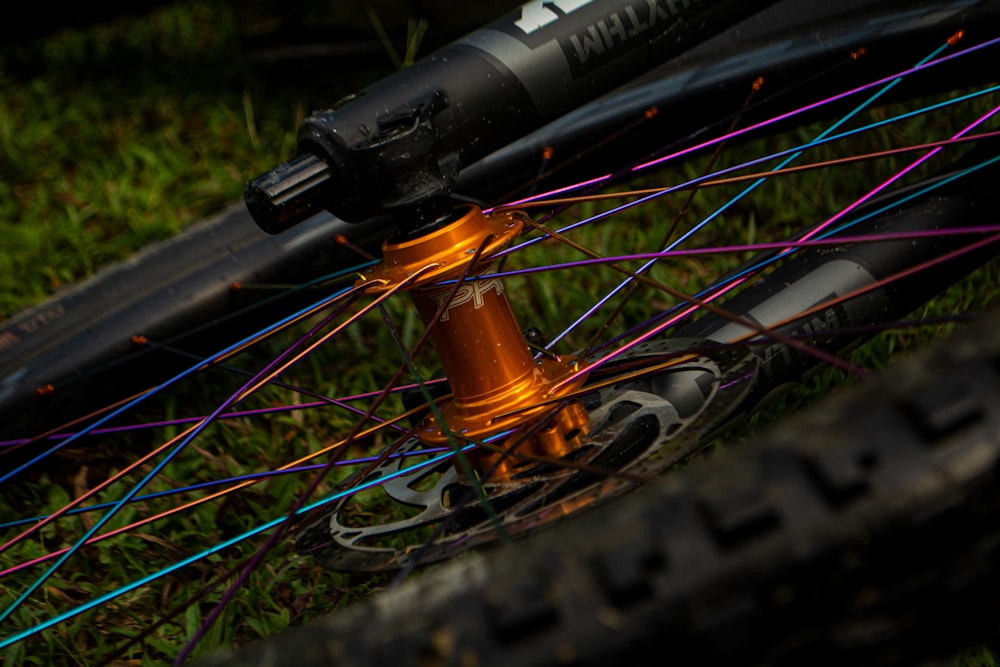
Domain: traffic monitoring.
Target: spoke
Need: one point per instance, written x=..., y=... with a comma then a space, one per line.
x=633, y=287
x=831, y=235
x=774, y=120
x=173, y=447
x=829, y=240
x=254, y=476
x=740, y=196
x=695, y=303
x=718, y=178
x=275, y=368
x=332, y=448
x=861, y=291
x=235, y=414
x=323, y=401
x=225, y=353
x=225, y=544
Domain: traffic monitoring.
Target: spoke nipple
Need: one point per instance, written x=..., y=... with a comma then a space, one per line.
x=45, y=390
x=651, y=113
x=758, y=83
x=548, y=153
x=956, y=38
x=140, y=340
x=858, y=54
x=236, y=286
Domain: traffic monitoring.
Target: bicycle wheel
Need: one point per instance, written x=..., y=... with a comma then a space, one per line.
x=649, y=410
x=857, y=533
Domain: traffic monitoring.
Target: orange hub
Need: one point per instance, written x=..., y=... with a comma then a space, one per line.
x=497, y=384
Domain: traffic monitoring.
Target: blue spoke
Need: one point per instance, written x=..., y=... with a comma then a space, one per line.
x=159, y=466
x=739, y=197
x=231, y=480
x=111, y=595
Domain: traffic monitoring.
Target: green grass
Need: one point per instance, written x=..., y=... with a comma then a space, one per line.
x=110, y=142
x=125, y=133
x=112, y=137
x=122, y=134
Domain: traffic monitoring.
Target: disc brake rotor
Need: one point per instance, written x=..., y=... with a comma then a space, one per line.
x=424, y=512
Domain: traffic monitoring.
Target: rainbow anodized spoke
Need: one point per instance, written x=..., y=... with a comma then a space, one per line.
x=275, y=368
x=589, y=313
x=225, y=544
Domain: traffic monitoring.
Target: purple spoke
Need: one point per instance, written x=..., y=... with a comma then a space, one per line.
x=253, y=476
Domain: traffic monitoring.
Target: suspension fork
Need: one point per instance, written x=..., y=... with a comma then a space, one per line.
x=882, y=274
x=498, y=386
x=402, y=142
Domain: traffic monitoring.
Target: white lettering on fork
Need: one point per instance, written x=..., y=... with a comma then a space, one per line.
x=539, y=13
